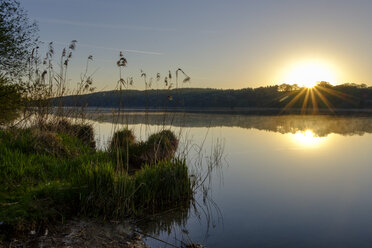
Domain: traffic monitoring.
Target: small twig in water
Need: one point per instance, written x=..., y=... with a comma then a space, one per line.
x=165, y=242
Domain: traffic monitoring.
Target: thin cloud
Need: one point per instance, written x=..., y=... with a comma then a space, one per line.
x=112, y=49
x=98, y=25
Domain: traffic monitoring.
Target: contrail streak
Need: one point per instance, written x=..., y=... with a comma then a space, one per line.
x=110, y=26
x=112, y=49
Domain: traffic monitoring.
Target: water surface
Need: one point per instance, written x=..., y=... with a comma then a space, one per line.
x=288, y=181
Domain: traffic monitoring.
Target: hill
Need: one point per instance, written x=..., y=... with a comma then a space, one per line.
x=322, y=97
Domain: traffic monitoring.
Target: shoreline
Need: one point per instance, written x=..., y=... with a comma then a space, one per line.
x=235, y=111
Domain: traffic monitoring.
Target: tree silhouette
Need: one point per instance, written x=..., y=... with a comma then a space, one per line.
x=18, y=37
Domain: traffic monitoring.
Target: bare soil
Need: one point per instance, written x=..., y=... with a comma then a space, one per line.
x=82, y=233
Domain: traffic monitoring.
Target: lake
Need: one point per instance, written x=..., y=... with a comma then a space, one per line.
x=282, y=181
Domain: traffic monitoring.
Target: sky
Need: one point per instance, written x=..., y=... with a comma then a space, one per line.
x=218, y=43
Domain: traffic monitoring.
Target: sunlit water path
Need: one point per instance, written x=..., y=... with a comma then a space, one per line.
x=288, y=181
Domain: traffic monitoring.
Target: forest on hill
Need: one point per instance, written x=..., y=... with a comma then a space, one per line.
x=322, y=96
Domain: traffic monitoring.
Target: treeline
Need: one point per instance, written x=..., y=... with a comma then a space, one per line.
x=324, y=95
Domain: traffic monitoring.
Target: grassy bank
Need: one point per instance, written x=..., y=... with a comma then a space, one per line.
x=48, y=176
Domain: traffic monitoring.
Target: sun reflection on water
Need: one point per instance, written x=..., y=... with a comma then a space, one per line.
x=308, y=139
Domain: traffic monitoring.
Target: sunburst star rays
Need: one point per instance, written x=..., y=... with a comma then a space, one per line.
x=314, y=96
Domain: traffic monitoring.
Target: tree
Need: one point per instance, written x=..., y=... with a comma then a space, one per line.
x=18, y=37
x=10, y=100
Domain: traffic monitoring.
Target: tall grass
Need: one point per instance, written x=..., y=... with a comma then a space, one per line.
x=149, y=190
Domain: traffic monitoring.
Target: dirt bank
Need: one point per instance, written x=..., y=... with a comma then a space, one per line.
x=82, y=233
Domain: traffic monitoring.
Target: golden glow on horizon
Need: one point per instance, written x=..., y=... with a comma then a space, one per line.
x=308, y=73
x=307, y=139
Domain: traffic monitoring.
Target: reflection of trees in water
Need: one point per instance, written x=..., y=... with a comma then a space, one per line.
x=321, y=125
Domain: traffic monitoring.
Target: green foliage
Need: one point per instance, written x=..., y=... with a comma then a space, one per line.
x=18, y=36
x=10, y=100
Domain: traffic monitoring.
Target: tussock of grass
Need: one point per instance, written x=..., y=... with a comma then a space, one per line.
x=160, y=146
x=160, y=186
x=151, y=189
x=48, y=176
x=122, y=139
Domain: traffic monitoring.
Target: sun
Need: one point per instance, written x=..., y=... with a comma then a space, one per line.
x=308, y=73
x=307, y=138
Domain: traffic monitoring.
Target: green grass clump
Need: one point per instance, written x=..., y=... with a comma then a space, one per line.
x=160, y=146
x=62, y=176
x=162, y=185
x=122, y=139
x=151, y=189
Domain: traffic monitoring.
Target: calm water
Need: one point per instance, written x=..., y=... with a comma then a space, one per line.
x=286, y=181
